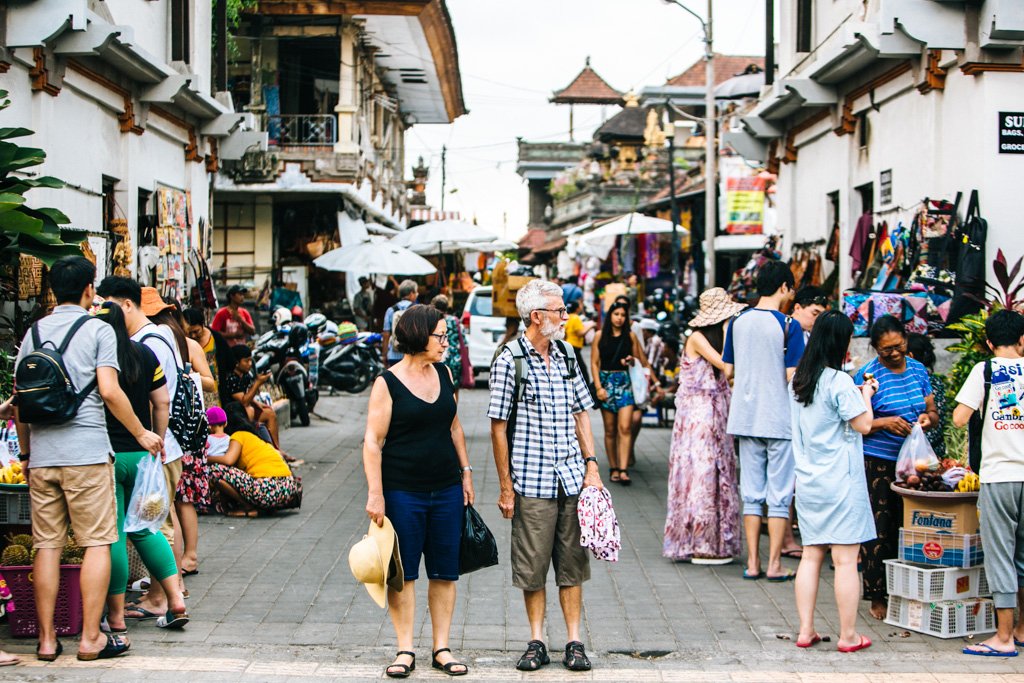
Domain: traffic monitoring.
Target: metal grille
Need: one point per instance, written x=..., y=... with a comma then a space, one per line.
x=311, y=129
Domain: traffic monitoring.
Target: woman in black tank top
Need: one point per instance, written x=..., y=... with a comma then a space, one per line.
x=615, y=347
x=418, y=473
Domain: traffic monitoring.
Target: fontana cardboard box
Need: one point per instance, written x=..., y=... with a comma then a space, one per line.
x=944, y=515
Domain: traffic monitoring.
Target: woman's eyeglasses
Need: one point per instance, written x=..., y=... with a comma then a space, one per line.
x=890, y=350
x=441, y=337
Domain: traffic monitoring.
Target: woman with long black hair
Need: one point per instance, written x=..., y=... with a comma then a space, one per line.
x=615, y=348
x=830, y=416
x=143, y=382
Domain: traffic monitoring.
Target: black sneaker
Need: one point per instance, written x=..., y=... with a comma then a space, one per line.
x=576, y=657
x=535, y=657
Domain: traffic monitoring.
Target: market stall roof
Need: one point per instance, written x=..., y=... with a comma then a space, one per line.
x=376, y=257
x=587, y=88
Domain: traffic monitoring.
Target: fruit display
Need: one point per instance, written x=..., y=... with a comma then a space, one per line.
x=19, y=551
x=943, y=476
x=12, y=474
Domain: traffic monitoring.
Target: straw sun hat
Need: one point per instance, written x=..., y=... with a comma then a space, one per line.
x=715, y=306
x=375, y=562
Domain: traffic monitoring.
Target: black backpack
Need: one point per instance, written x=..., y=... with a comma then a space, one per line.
x=976, y=424
x=46, y=394
x=187, y=420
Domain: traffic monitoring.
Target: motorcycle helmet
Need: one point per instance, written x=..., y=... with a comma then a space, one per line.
x=297, y=312
x=314, y=322
x=329, y=334
x=298, y=335
x=281, y=316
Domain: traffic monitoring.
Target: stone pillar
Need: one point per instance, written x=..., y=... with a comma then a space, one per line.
x=348, y=92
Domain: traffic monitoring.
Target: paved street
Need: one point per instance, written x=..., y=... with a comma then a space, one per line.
x=274, y=599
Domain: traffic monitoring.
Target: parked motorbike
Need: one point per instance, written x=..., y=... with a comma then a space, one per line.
x=284, y=352
x=350, y=365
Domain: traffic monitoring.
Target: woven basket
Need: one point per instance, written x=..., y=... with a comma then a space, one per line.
x=30, y=277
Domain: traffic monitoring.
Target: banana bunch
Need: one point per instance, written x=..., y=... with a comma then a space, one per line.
x=12, y=474
x=969, y=483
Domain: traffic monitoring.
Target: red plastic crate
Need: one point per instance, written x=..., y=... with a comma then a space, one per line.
x=67, y=616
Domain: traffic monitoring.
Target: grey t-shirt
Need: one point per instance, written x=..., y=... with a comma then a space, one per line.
x=756, y=347
x=82, y=440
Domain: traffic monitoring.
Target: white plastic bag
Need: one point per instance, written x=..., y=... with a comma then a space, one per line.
x=149, y=504
x=916, y=455
x=641, y=385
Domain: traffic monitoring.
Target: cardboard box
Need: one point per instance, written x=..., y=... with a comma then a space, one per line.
x=504, y=288
x=947, y=515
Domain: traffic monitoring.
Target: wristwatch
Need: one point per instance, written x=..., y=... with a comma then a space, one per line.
x=590, y=459
x=467, y=468
x=23, y=457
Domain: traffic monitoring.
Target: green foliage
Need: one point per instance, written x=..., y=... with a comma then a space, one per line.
x=235, y=9
x=6, y=374
x=972, y=348
x=25, y=230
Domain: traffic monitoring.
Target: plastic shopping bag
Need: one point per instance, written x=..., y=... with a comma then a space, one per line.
x=478, y=548
x=916, y=455
x=641, y=385
x=149, y=504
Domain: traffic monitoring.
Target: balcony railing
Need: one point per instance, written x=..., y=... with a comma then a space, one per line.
x=302, y=129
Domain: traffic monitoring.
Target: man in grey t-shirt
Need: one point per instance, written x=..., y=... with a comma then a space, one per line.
x=69, y=466
x=762, y=348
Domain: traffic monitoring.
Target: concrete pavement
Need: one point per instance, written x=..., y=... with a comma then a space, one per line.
x=274, y=599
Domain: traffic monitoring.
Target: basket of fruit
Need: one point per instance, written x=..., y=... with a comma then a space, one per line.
x=12, y=478
x=938, y=479
x=16, y=566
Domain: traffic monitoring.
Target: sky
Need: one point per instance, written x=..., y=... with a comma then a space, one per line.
x=512, y=55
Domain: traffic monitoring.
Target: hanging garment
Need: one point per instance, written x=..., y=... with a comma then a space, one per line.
x=861, y=244
x=599, y=529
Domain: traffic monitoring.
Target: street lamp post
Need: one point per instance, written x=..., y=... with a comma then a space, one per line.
x=678, y=134
x=710, y=149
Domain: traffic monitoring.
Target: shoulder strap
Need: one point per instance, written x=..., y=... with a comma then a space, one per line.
x=519, y=361
x=71, y=333
x=569, y=355
x=988, y=386
x=35, y=337
x=166, y=343
x=785, y=336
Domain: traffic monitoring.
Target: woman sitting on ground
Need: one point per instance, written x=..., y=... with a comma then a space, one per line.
x=252, y=477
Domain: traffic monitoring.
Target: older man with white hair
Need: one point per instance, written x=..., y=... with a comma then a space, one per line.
x=544, y=454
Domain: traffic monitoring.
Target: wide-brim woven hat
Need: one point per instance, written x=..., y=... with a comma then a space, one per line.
x=715, y=306
x=376, y=563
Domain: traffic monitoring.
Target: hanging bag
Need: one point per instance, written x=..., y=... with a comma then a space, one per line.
x=916, y=455
x=969, y=294
x=149, y=504
x=478, y=548
x=638, y=379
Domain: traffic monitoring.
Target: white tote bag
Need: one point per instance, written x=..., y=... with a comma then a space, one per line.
x=641, y=385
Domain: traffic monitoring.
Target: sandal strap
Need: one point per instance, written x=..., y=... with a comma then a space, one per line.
x=405, y=652
x=443, y=649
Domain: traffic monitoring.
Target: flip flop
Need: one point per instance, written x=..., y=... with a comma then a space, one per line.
x=172, y=620
x=864, y=643
x=115, y=647
x=107, y=628
x=146, y=614
x=794, y=554
x=810, y=643
x=752, y=577
x=51, y=657
x=781, y=578
x=189, y=572
x=1018, y=643
x=7, y=659
x=989, y=651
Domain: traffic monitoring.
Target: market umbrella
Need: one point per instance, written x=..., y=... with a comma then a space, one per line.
x=599, y=242
x=375, y=257
x=429, y=235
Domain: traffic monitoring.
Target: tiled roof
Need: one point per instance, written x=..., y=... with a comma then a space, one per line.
x=587, y=88
x=726, y=66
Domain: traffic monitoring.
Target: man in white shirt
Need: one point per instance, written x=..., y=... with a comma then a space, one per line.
x=1000, y=380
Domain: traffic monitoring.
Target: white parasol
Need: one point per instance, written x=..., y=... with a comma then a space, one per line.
x=599, y=242
x=375, y=257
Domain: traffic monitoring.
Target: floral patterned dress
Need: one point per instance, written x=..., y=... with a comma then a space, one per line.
x=703, y=492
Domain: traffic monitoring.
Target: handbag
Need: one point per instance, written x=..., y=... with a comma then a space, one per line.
x=641, y=385
x=478, y=548
x=969, y=294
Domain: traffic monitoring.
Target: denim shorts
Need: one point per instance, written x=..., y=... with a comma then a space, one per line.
x=428, y=524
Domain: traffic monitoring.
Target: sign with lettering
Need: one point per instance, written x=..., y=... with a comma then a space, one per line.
x=885, y=187
x=1011, y=132
x=744, y=205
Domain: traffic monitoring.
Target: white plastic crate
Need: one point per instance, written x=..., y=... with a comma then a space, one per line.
x=930, y=584
x=15, y=507
x=944, y=619
x=939, y=549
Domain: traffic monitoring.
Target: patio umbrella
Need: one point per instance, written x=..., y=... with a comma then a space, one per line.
x=429, y=235
x=599, y=242
x=375, y=257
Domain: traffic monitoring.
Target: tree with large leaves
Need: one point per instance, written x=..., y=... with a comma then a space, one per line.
x=23, y=229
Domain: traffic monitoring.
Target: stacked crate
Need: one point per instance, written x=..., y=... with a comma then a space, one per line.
x=937, y=586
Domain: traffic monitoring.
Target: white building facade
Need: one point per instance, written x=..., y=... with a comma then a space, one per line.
x=119, y=94
x=879, y=104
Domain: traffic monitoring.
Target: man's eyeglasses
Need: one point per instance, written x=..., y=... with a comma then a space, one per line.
x=441, y=337
x=562, y=312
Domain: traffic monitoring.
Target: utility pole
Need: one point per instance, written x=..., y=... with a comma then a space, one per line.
x=710, y=156
x=673, y=206
x=444, y=172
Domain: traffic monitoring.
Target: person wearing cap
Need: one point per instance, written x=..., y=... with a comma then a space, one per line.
x=703, y=519
x=233, y=321
x=145, y=385
x=418, y=473
x=217, y=440
x=137, y=303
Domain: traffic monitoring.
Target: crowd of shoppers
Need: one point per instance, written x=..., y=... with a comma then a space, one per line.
x=130, y=361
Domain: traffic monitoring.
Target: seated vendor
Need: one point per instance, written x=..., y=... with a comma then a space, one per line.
x=252, y=477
